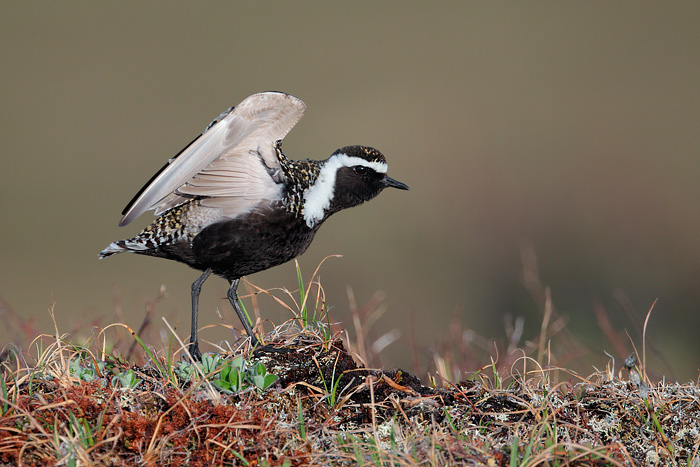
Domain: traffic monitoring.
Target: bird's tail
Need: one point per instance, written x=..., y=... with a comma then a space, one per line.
x=122, y=246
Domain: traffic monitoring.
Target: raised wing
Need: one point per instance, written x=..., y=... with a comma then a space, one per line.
x=230, y=162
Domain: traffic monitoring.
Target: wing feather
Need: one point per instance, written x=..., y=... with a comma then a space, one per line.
x=230, y=160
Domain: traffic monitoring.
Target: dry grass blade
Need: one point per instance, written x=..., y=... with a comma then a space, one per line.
x=76, y=406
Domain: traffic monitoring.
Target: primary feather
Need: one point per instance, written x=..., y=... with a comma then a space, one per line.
x=237, y=147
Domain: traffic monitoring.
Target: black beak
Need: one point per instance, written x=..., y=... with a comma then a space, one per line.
x=390, y=182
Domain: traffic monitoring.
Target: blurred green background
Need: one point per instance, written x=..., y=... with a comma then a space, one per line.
x=563, y=133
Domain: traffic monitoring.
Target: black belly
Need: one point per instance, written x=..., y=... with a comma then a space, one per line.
x=249, y=244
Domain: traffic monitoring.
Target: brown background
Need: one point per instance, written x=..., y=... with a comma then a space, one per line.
x=570, y=130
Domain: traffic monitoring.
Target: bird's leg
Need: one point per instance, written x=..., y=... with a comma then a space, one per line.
x=194, y=342
x=233, y=298
x=257, y=348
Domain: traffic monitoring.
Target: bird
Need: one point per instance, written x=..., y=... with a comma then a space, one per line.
x=231, y=203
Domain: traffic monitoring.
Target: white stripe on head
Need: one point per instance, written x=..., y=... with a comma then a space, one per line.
x=318, y=197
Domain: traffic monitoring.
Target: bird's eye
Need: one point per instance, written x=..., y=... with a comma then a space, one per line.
x=360, y=170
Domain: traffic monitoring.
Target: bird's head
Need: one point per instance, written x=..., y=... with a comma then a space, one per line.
x=350, y=176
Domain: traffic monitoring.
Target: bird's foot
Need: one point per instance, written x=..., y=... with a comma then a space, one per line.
x=194, y=354
x=269, y=348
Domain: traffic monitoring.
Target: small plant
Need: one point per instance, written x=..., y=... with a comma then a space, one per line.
x=78, y=439
x=186, y=371
x=210, y=362
x=300, y=420
x=153, y=359
x=126, y=379
x=259, y=376
x=304, y=308
x=332, y=391
x=86, y=369
x=6, y=407
x=233, y=377
x=302, y=299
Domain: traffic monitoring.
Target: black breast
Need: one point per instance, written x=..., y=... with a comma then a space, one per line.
x=251, y=243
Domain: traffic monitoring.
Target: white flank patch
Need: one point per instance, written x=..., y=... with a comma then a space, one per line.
x=318, y=197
